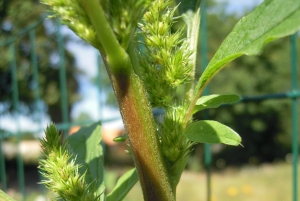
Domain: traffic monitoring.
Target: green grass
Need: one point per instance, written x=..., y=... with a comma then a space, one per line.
x=261, y=183
x=269, y=182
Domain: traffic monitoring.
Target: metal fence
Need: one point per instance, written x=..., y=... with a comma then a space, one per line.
x=293, y=95
x=65, y=125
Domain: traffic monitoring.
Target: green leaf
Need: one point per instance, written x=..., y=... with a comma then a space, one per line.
x=5, y=197
x=124, y=185
x=207, y=131
x=85, y=144
x=271, y=20
x=214, y=101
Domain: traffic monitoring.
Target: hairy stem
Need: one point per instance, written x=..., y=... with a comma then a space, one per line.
x=189, y=112
x=135, y=109
x=138, y=119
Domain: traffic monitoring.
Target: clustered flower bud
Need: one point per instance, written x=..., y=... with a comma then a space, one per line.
x=72, y=14
x=61, y=171
x=123, y=17
x=165, y=63
x=175, y=146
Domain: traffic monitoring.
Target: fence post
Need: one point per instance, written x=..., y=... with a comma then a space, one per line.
x=36, y=88
x=207, y=152
x=15, y=98
x=62, y=77
x=294, y=115
x=2, y=163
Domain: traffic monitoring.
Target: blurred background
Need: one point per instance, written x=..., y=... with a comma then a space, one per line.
x=48, y=74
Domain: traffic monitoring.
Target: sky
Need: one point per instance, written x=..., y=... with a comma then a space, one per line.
x=239, y=7
x=86, y=60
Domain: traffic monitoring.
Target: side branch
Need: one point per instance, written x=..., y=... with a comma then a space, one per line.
x=117, y=58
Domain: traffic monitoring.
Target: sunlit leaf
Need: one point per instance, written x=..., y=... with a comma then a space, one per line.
x=271, y=20
x=5, y=197
x=207, y=131
x=214, y=101
x=124, y=185
x=85, y=144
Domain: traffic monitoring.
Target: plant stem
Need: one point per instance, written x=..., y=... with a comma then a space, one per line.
x=138, y=119
x=117, y=58
x=135, y=109
x=189, y=112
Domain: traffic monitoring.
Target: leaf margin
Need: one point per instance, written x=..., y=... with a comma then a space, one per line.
x=211, y=127
x=130, y=177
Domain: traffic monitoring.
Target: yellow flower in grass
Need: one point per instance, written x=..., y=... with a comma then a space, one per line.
x=232, y=191
x=247, y=189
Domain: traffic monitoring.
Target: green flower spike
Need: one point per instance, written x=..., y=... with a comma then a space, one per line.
x=72, y=14
x=165, y=63
x=61, y=172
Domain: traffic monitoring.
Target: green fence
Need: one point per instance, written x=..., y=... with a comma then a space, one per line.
x=293, y=95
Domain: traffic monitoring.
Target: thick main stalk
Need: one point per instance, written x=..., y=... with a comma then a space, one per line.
x=139, y=123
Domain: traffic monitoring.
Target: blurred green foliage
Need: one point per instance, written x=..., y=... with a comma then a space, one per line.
x=15, y=15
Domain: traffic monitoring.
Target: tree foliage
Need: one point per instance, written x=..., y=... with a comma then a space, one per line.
x=15, y=16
